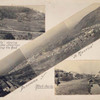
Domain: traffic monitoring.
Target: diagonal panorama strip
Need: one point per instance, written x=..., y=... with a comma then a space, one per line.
x=62, y=41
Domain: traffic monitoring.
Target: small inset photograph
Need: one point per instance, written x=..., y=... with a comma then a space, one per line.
x=21, y=22
x=77, y=78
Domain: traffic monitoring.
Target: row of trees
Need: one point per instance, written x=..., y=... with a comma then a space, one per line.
x=66, y=76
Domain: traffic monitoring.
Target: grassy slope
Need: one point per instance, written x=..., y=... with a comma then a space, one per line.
x=72, y=87
x=21, y=18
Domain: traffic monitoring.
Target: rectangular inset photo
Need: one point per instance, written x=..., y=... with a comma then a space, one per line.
x=77, y=78
x=21, y=22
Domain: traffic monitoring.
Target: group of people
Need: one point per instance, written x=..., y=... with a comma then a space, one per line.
x=57, y=81
x=90, y=85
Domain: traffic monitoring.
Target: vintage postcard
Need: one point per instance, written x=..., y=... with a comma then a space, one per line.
x=53, y=31
x=50, y=48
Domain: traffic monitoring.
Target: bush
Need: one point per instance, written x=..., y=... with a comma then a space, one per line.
x=9, y=36
x=6, y=13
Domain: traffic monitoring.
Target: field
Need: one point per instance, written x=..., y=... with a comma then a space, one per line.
x=76, y=87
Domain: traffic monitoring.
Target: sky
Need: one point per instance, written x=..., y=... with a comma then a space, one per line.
x=40, y=8
x=80, y=66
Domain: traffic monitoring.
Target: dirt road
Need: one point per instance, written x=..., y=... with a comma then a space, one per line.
x=95, y=89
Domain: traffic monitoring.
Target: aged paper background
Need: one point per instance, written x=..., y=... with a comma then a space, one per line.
x=56, y=12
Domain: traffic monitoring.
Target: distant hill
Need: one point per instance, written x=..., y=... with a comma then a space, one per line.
x=89, y=20
x=12, y=12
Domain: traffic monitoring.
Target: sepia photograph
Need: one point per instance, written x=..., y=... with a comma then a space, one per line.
x=77, y=77
x=49, y=49
x=22, y=22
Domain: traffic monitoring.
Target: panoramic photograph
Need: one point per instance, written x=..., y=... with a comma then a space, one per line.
x=77, y=78
x=21, y=22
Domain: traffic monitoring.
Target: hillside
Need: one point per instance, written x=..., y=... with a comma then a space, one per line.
x=89, y=20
